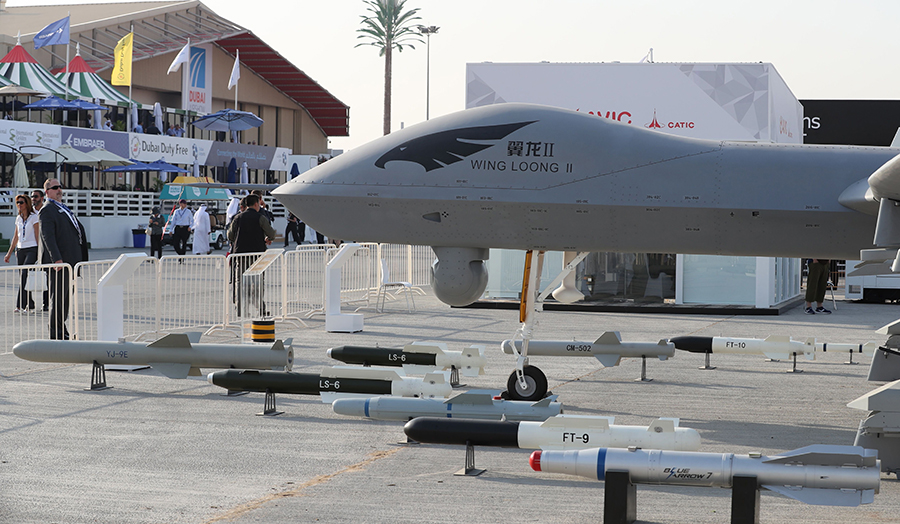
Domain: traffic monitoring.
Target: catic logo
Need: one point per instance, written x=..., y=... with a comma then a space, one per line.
x=654, y=124
x=441, y=149
x=135, y=147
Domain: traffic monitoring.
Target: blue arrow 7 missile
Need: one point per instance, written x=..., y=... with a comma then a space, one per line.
x=776, y=347
x=819, y=474
x=608, y=349
x=474, y=404
x=561, y=432
x=418, y=357
x=172, y=355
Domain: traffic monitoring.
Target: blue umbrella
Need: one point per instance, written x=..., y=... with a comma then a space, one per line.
x=84, y=104
x=52, y=102
x=136, y=166
x=165, y=167
x=228, y=120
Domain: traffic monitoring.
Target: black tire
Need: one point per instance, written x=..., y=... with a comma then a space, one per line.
x=537, y=385
x=219, y=243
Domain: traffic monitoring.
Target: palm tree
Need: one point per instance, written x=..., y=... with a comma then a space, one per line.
x=388, y=27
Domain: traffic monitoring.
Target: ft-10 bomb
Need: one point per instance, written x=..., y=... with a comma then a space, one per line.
x=819, y=475
x=775, y=347
x=416, y=358
x=331, y=384
x=473, y=404
x=608, y=349
x=172, y=355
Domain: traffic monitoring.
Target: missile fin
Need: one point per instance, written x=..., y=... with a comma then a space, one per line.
x=828, y=455
x=194, y=372
x=425, y=347
x=278, y=346
x=172, y=369
x=663, y=425
x=776, y=356
x=435, y=378
x=288, y=342
x=778, y=338
x=609, y=337
x=580, y=421
x=544, y=402
x=194, y=336
x=172, y=340
x=471, y=398
x=825, y=497
x=609, y=361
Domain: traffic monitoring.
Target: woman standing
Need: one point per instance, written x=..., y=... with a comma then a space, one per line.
x=25, y=243
x=156, y=232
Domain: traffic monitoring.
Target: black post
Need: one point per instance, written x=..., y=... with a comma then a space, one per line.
x=619, y=498
x=744, y=500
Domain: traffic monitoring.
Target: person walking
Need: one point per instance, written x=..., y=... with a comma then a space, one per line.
x=201, y=231
x=293, y=228
x=155, y=226
x=24, y=243
x=816, y=285
x=182, y=219
x=64, y=238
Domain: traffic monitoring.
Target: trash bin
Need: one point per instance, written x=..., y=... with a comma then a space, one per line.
x=140, y=238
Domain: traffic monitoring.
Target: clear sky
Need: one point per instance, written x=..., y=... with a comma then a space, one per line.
x=822, y=48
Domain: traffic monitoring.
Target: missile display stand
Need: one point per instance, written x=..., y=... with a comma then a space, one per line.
x=98, y=378
x=620, y=499
x=469, y=470
x=269, y=409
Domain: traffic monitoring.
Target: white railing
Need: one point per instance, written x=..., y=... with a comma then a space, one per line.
x=181, y=293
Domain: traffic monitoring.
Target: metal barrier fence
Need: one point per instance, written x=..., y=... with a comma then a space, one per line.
x=178, y=293
x=140, y=300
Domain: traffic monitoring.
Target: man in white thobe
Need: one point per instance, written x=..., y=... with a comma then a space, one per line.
x=201, y=232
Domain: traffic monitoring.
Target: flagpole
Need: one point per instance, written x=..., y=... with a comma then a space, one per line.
x=238, y=62
x=68, y=44
x=130, y=82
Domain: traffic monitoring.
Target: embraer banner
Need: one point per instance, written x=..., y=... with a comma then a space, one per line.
x=715, y=101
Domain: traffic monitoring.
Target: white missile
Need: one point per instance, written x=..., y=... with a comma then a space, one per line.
x=172, y=355
x=776, y=347
x=608, y=349
x=866, y=349
x=474, y=404
x=416, y=358
x=820, y=475
x=581, y=431
x=561, y=432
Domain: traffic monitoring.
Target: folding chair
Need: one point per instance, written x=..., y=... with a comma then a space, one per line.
x=386, y=284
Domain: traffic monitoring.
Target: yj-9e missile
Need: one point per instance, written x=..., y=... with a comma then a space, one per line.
x=560, y=432
x=172, y=355
x=775, y=347
x=820, y=475
x=474, y=404
x=334, y=383
x=415, y=358
x=608, y=349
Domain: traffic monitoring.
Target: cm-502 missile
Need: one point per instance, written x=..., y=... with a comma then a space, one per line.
x=608, y=349
x=473, y=404
x=418, y=357
x=172, y=355
x=331, y=384
x=559, y=432
x=820, y=475
x=775, y=347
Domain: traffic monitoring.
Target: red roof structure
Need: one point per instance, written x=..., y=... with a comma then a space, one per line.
x=18, y=55
x=332, y=115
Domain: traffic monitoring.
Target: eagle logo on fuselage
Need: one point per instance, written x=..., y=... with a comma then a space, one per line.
x=441, y=149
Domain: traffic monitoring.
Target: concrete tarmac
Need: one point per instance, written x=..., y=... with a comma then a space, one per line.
x=156, y=450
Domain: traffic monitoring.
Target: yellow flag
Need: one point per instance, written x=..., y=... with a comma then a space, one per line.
x=121, y=74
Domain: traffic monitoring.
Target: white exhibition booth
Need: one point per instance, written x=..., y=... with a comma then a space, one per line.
x=737, y=101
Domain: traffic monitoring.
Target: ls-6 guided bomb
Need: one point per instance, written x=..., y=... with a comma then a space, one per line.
x=472, y=404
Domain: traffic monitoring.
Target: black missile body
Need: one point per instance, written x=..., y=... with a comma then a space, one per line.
x=693, y=344
x=433, y=430
x=291, y=383
x=369, y=356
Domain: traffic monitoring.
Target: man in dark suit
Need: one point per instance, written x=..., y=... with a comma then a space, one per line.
x=65, y=241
